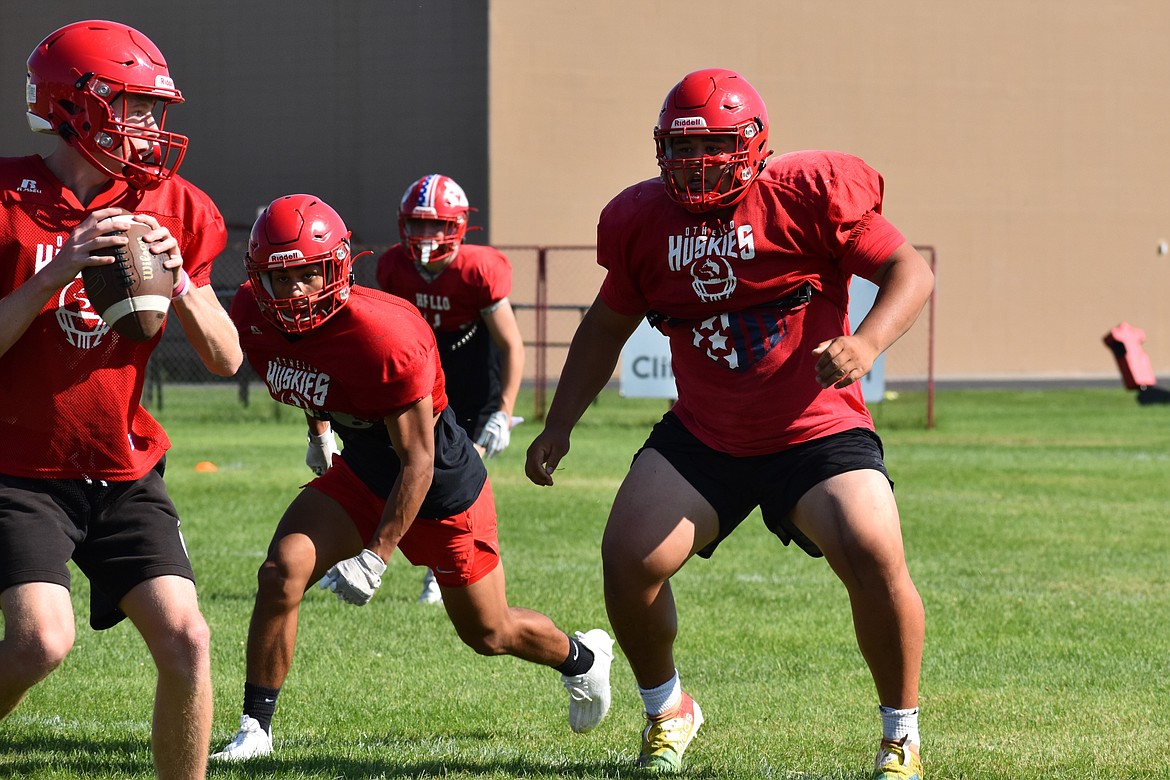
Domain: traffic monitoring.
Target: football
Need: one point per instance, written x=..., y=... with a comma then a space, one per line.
x=132, y=294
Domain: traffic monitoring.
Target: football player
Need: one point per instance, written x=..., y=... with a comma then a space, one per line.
x=462, y=291
x=81, y=470
x=407, y=477
x=745, y=265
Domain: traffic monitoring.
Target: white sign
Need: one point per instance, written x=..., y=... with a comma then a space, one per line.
x=862, y=293
x=646, y=370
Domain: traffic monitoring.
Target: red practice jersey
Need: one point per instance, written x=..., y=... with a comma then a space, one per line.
x=478, y=277
x=745, y=372
x=371, y=359
x=70, y=388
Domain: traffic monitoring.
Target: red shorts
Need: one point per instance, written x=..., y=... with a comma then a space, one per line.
x=460, y=550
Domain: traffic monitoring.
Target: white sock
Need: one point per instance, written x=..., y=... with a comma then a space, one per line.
x=661, y=700
x=900, y=723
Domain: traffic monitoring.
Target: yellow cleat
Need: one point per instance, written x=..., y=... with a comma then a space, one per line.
x=664, y=741
x=897, y=761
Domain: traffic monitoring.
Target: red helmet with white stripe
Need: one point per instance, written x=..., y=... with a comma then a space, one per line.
x=81, y=82
x=432, y=219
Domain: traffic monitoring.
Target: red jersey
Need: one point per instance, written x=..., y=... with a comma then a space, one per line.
x=369, y=360
x=70, y=388
x=745, y=372
x=478, y=277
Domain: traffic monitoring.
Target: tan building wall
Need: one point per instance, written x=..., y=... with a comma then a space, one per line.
x=1026, y=141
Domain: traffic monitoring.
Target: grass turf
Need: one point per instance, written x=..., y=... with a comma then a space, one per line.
x=1035, y=526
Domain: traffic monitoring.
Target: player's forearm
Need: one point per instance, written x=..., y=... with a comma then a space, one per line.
x=904, y=286
x=210, y=331
x=511, y=374
x=402, y=507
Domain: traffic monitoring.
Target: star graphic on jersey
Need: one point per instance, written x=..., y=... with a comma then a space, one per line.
x=740, y=339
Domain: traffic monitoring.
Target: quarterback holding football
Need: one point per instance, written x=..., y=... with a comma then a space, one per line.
x=81, y=469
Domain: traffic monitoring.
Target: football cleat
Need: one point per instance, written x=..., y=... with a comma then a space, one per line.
x=430, y=590
x=664, y=741
x=897, y=761
x=250, y=741
x=589, y=691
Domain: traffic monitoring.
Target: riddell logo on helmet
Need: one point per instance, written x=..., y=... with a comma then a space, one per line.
x=164, y=82
x=688, y=121
x=284, y=257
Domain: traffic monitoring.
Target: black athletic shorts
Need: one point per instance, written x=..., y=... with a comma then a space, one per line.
x=119, y=534
x=735, y=485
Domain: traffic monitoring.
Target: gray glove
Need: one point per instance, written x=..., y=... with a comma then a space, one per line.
x=355, y=579
x=496, y=435
x=319, y=456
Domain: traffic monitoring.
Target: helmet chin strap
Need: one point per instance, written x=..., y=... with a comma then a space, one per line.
x=151, y=155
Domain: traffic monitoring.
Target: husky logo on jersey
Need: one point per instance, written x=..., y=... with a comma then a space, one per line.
x=713, y=279
x=740, y=339
x=296, y=384
x=83, y=327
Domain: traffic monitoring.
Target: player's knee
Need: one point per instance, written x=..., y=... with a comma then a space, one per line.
x=184, y=648
x=33, y=656
x=624, y=568
x=277, y=581
x=869, y=573
x=486, y=640
x=620, y=560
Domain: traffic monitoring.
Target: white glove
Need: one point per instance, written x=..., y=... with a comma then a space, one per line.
x=354, y=580
x=496, y=435
x=322, y=448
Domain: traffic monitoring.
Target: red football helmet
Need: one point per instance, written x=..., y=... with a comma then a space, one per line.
x=299, y=230
x=712, y=102
x=78, y=81
x=443, y=204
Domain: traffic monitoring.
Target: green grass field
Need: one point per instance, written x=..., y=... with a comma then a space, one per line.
x=1036, y=530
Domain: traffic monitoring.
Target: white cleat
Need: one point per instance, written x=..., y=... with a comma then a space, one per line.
x=430, y=590
x=589, y=692
x=250, y=741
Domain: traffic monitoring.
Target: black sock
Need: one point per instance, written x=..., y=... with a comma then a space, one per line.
x=260, y=703
x=580, y=659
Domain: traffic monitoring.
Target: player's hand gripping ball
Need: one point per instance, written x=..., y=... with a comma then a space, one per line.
x=132, y=294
